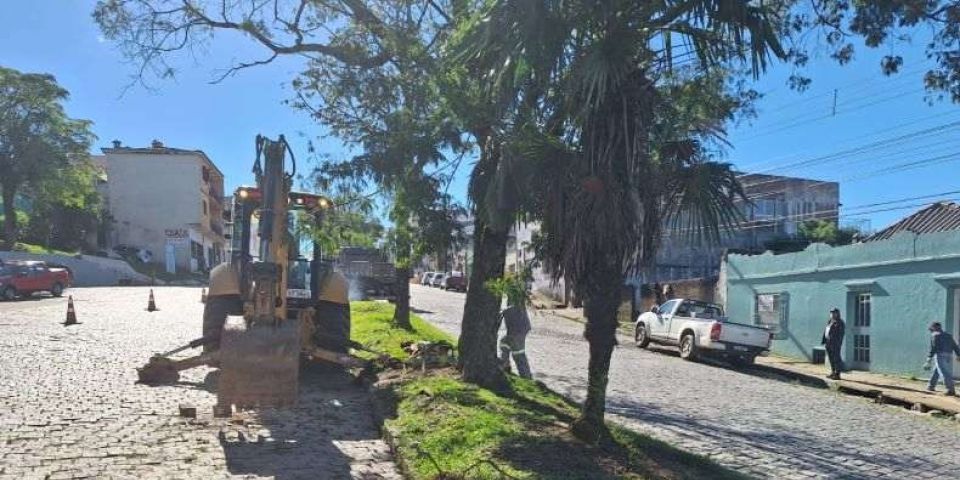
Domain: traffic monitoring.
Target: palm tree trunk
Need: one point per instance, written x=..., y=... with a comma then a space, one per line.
x=401, y=314
x=9, y=216
x=478, y=334
x=601, y=311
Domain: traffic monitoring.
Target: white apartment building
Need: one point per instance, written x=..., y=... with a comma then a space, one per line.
x=168, y=201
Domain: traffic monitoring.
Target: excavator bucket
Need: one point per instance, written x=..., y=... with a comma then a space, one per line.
x=259, y=364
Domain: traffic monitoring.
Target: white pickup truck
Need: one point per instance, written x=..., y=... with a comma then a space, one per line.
x=699, y=328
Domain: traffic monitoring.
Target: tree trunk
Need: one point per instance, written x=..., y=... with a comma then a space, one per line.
x=9, y=216
x=401, y=314
x=602, y=301
x=478, y=334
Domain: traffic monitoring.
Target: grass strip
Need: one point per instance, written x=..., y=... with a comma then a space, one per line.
x=447, y=429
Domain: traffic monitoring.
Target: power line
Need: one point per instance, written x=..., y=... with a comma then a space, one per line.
x=954, y=156
x=801, y=121
x=933, y=195
x=857, y=82
x=768, y=222
x=920, y=119
x=864, y=148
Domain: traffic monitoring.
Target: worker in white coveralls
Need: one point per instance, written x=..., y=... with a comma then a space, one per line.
x=517, y=322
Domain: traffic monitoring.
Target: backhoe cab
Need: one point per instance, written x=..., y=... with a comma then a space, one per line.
x=268, y=307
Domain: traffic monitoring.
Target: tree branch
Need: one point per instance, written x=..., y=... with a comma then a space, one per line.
x=346, y=55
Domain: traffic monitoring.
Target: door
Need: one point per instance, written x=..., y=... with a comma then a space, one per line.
x=862, y=311
x=661, y=326
x=36, y=279
x=170, y=257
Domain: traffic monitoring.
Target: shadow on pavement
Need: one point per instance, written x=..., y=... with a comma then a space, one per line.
x=770, y=445
x=329, y=430
x=759, y=371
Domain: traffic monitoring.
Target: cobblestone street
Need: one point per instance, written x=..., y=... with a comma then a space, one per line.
x=69, y=407
x=763, y=427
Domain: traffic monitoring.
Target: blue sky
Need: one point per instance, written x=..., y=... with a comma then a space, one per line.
x=60, y=38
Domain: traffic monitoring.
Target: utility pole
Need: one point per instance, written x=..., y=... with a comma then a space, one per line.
x=834, y=102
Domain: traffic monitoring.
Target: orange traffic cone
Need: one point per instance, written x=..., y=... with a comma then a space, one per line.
x=151, y=304
x=71, y=313
x=203, y=295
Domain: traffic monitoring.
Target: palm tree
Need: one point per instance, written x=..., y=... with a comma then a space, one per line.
x=607, y=155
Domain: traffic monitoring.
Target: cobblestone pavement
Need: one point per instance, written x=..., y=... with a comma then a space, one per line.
x=763, y=427
x=69, y=407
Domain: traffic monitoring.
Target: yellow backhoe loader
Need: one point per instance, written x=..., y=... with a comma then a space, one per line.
x=268, y=308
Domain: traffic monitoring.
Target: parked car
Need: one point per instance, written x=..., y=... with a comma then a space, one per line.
x=427, y=278
x=25, y=278
x=438, y=280
x=455, y=281
x=700, y=328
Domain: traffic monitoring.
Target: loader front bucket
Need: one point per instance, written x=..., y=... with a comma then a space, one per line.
x=259, y=364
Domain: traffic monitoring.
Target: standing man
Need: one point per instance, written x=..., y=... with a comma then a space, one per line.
x=513, y=344
x=833, y=340
x=942, y=348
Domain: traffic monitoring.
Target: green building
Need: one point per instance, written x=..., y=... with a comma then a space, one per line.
x=889, y=288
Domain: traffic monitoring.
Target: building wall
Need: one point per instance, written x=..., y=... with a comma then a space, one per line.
x=912, y=280
x=780, y=205
x=520, y=253
x=158, y=199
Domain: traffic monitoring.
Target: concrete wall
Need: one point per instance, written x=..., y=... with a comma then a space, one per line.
x=88, y=271
x=694, y=288
x=912, y=280
x=151, y=194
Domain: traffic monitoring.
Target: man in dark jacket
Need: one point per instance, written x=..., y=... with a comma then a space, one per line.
x=942, y=348
x=833, y=340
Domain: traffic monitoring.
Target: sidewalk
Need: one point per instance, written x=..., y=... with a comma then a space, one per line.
x=881, y=388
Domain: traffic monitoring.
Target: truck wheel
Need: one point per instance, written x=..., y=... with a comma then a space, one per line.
x=688, y=347
x=9, y=293
x=56, y=290
x=640, y=336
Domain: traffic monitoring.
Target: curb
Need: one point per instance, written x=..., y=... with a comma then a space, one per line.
x=389, y=435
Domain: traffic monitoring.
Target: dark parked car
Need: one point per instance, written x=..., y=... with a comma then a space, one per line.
x=455, y=281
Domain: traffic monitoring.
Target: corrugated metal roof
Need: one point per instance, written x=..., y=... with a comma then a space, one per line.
x=938, y=217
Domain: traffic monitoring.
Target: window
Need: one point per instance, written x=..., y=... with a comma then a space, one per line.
x=766, y=208
x=861, y=311
x=204, y=202
x=700, y=310
x=667, y=307
x=771, y=312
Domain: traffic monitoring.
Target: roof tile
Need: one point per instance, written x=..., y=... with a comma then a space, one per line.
x=938, y=217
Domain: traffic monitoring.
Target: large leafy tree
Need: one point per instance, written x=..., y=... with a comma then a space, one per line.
x=617, y=162
x=37, y=138
x=64, y=206
x=360, y=54
x=840, y=25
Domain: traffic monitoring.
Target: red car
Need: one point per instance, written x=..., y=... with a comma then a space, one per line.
x=25, y=278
